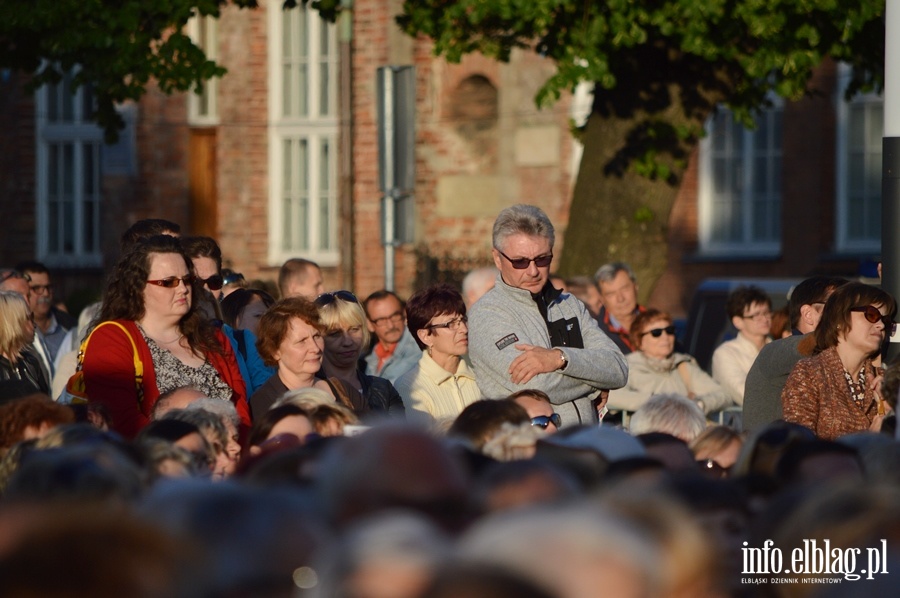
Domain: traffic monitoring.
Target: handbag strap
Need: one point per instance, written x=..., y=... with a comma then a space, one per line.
x=138, y=364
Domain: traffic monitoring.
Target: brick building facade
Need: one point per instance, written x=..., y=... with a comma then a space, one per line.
x=481, y=145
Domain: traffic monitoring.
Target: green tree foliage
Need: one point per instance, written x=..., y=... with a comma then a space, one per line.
x=659, y=68
x=117, y=46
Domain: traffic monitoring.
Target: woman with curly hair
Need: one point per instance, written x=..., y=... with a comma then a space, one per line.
x=16, y=332
x=148, y=308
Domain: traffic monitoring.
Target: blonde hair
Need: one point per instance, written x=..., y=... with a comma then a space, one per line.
x=14, y=314
x=714, y=440
x=345, y=314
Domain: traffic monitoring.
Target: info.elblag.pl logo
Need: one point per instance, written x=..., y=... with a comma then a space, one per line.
x=813, y=562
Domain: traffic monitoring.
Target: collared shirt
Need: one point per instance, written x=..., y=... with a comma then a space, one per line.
x=730, y=363
x=613, y=328
x=431, y=394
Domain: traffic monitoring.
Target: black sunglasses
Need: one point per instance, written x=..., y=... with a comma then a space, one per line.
x=542, y=421
x=329, y=298
x=213, y=283
x=173, y=281
x=520, y=263
x=232, y=278
x=657, y=332
x=873, y=315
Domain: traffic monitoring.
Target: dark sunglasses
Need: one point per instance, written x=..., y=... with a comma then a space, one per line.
x=213, y=283
x=657, y=332
x=329, y=298
x=232, y=278
x=542, y=421
x=873, y=315
x=520, y=263
x=173, y=281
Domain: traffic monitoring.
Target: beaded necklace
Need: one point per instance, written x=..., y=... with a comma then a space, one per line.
x=858, y=388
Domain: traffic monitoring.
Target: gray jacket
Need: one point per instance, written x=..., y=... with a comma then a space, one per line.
x=406, y=356
x=507, y=316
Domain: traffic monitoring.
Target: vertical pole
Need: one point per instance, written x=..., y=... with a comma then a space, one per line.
x=389, y=184
x=890, y=182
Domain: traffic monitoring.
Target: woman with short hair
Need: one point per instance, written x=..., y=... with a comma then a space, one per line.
x=442, y=384
x=346, y=337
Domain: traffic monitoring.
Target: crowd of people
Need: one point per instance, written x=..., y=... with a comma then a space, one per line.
x=192, y=435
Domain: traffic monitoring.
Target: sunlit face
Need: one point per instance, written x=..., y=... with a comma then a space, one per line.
x=298, y=425
x=160, y=302
x=619, y=295
x=308, y=285
x=343, y=346
x=300, y=353
x=532, y=278
x=248, y=319
x=657, y=347
x=386, y=319
x=446, y=340
x=204, y=267
x=864, y=335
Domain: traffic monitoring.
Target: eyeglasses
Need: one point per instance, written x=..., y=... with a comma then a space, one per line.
x=213, y=283
x=763, y=315
x=873, y=315
x=172, y=282
x=453, y=324
x=657, y=332
x=520, y=263
x=542, y=421
x=394, y=318
x=40, y=289
x=329, y=298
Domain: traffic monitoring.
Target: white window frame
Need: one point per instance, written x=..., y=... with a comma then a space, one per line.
x=319, y=125
x=79, y=131
x=843, y=242
x=746, y=245
x=210, y=46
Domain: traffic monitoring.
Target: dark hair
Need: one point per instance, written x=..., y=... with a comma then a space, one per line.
x=275, y=323
x=479, y=420
x=264, y=423
x=788, y=468
x=534, y=393
x=234, y=303
x=196, y=247
x=170, y=430
x=743, y=297
x=146, y=228
x=32, y=266
x=836, y=316
x=296, y=266
x=378, y=296
x=812, y=290
x=428, y=303
x=636, y=332
x=124, y=295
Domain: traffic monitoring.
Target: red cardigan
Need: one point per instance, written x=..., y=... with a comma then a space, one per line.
x=109, y=377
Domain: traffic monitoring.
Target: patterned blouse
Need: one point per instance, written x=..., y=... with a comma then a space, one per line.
x=171, y=373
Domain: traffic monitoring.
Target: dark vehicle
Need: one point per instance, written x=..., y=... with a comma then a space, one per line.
x=708, y=324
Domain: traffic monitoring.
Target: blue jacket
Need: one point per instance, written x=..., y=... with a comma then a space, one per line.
x=253, y=370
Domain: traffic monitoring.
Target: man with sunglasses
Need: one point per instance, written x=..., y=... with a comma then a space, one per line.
x=773, y=365
x=524, y=333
